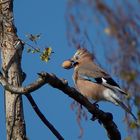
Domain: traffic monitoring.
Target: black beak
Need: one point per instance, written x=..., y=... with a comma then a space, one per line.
x=74, y=63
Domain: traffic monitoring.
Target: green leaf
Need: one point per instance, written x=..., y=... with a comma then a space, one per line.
x=33, y=51
x=45, y=56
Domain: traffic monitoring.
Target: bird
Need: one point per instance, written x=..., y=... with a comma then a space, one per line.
x=93, y=82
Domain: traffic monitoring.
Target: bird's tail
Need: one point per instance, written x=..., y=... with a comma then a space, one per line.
x=119, y=102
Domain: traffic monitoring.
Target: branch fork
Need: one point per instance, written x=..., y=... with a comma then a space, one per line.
x=45, y=78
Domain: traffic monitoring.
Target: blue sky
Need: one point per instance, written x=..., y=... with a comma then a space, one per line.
x=48, y=18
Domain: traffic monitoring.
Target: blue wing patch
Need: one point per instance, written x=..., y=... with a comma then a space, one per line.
x=94, y=80
x=99, y=80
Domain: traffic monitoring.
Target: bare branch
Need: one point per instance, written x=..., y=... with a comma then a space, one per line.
x=105, y=118
x=43, y=118
x=22, y=90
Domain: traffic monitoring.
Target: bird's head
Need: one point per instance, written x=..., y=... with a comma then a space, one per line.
x=81, y=56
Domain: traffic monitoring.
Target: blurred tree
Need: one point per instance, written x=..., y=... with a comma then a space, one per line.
x=111, y=29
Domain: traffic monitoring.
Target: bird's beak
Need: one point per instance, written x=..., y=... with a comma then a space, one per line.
x=73, y=62
x=68, y=64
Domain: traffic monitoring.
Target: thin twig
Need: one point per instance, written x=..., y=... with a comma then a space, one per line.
x=43, y=118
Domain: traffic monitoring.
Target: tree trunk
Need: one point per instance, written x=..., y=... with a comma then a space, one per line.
x=11, y=52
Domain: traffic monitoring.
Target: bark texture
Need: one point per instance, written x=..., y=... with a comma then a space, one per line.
x=11, y=52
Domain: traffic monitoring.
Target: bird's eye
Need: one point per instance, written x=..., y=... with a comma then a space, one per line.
x=76, y=57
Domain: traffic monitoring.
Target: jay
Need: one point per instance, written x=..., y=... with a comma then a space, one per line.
x=93, y=82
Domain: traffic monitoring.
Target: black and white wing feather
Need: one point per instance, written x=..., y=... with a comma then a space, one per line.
x=99, y=76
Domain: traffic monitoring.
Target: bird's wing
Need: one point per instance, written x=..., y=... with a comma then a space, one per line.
x=92, y=70
x=97, y=75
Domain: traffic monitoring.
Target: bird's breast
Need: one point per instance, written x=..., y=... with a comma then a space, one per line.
x=90, y=89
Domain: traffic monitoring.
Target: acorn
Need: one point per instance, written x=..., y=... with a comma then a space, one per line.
x=67, y=64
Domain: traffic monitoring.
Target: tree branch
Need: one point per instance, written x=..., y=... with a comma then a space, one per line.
x=42, y=117
x=105, y=118
x=22, y=90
